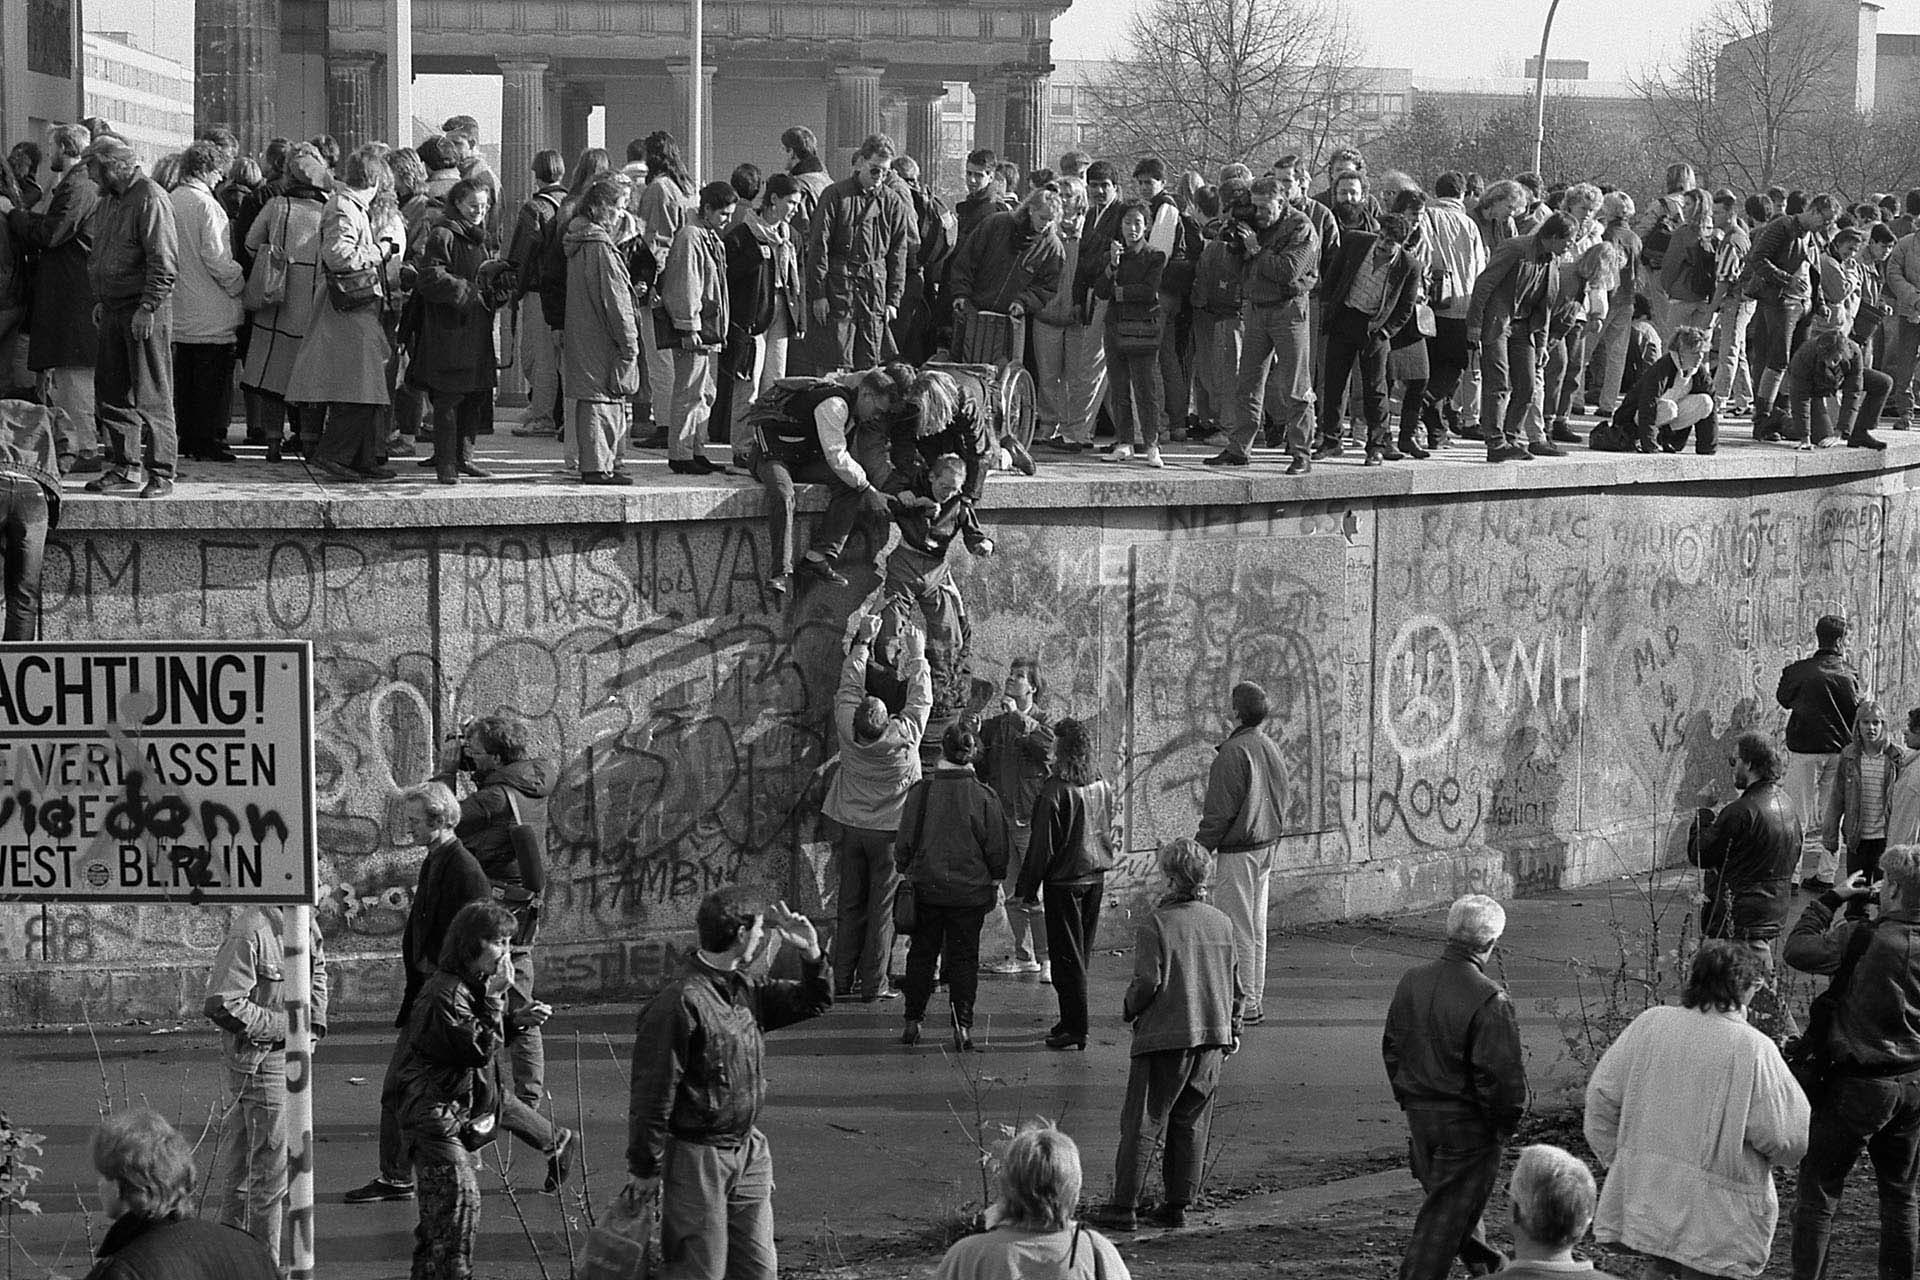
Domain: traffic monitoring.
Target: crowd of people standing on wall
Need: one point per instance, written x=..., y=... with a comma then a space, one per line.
x=366, y=302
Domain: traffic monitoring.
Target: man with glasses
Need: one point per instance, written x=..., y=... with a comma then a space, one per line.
x=857, y=265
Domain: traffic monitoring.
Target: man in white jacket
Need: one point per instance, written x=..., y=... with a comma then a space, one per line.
x=206, y=309
x=1459, y=256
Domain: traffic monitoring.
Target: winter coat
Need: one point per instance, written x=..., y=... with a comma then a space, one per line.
x=665, y=207
x=206, y=293
x=63, y=333
x=1841, y=807
x=136, y=249
x=1749, y=854
x=1457, y=248
x=1690, y=1110
x=450, y=878
x=1876, y=1032
x=857, y=261
x=137, y=1247
x=1784, y=261
x=1187, y=990
x=452, y=348
x=600, y=359
x=954, y=840
x=1245, y=806
x=1902, y=271
x=1004, y=262
x=1515, y=291
x=343, y=358
x=693, y=285
x=1016, y=752
x=871, y=784
x=763, y=273
x=446, y=1075
x=1282, y=261
x=1133, y=287
x=1398, y=293
x=1821, y=695
x=292, y=222
x=1072, y=841
x=699, y=1056
x=512, y=793
x=1452, y=1043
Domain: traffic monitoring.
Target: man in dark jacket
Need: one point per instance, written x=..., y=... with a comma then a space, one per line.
x=1452, y=1051
x=146, y=1190
x=1369, y=298
x=862, y=233
x=915, y=329
x=1279, y=255
x=1748, y=854
x=1507, y=325
x=503, y=824
x=1016, y=748
x=132, y=269
x=450, y=878
x=1783, y=272
x=698, y=1084
x=1820, y=695
x=539, y=342
x=63, y=342
x=1873, y=1104
x=1241, y=822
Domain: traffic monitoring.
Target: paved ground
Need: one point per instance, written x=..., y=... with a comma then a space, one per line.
x=874, y=1142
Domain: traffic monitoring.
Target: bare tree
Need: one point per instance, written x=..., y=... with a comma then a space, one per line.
x=1749, y=85
x=1859, y=153
x=1206, y=82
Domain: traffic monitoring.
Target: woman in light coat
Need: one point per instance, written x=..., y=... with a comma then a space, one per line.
x=599, y=362
x=289, y=225
x=341, y=369
x=1690, y=1110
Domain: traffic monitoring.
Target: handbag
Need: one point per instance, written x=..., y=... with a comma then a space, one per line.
x=267, y=282
x=906, y=912
x=1136, y=335
x=523, y=899
x=1809, y=1055
x=482, y=1124
x=1423, y=320
x=356, y=290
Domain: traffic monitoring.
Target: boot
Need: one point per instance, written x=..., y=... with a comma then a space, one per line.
x=465, y=462
x=1412, y=447
x=446, y=453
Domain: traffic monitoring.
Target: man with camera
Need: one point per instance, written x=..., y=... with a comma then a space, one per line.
x=1748, y=852
x=503, y=824
x=1873, y=1101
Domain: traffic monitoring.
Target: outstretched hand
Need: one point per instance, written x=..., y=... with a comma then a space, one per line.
x=794, y=928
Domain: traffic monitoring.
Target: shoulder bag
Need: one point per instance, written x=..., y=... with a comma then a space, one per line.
x=523, y=899
x=1809, y=1055
x=267, y=282
x=906, y=914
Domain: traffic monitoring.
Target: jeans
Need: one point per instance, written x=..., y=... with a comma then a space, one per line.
x=1029, y=940
x=863, y=932
x=251, y=1167
x=848, y=509
x=1903, y=347
x=133, y=392
x=1675, y=418
x=1809, y=782
x=779, y=478
x=1134, y=393
x=1276, y=333
x=1807, y=415
x=527, y=1047
x=1073, y=917
x=953, y=935
x=1566, y=366
x=70, y=390
x=202, y=394
x=1176, y=361
x=1350, y=344
x=396, y=1152
x=716, y=1211
x=1732, y=378
x=23, y=544
x=769, y=366
x=1696, y=315
x=1242, y=879
x=1881, y=1118
x=1610, y=349
x=1509, y=373
x=1456, y=1159
x=1774, y=324
x=1170, y=1092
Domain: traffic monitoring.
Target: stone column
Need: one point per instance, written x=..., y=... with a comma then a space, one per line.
x=990, y=111
x=698, y=155
x=855, y=114
x=1026, y=128
x=924, y=134
x=576, y=104
x=236, y=52
x=350, y=105
x=523, y=131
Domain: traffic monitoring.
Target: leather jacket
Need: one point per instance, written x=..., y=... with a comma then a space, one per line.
x=1877, y=1030
x=1452, y=1043
x=1749, y=854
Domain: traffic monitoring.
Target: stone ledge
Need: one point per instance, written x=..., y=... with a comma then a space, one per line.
x=529, y=487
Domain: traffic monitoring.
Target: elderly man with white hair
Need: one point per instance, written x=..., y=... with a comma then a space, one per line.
x=1452, y=1049
x=1552, y=1197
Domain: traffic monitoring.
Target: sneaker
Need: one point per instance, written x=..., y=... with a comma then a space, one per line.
x=560, y=1162
x=887, y=991
x=1152, y=457
x=1120, y=453
x=380, y=1189
x=1010, y=965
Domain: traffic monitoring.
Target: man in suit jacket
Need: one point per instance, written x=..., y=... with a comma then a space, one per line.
x=1370, y=296
x=1507, y=322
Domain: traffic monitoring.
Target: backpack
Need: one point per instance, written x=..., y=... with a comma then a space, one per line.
x=535, y=253
x=1653, y=248
x=1703, y=270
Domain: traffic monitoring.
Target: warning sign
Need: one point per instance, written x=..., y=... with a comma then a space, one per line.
x=157, y=773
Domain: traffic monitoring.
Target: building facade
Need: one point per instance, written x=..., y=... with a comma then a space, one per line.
x=148, y=99
x=43, y=77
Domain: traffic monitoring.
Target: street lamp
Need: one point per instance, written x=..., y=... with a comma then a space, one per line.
x=1539, y=86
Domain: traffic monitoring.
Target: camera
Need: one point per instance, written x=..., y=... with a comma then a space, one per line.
x=459, y=737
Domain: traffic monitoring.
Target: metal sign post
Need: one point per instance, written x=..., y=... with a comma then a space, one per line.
x=299, y=1112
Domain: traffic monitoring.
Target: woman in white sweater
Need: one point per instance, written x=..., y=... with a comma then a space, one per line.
x=1690, y=1110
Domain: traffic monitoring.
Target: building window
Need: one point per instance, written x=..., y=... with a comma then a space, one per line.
x=1396, y=104
x=1063, y=99
x=50, y=37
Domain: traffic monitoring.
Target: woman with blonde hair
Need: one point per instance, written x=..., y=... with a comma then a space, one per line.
x=146, y=1180
x=1030, y=1225
x=1863, y=786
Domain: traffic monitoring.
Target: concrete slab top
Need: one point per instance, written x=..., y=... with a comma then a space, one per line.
x=530, y=486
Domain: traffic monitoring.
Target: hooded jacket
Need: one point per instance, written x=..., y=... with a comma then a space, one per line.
x=519, y=787
x=871, y=784
x=600, y=359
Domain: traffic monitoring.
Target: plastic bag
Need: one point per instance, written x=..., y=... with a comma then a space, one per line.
x=617, y=1247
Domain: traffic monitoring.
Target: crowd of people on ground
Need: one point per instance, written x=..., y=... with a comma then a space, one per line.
x=367, y=301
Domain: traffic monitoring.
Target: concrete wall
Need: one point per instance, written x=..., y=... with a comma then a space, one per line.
x=1492, y=691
